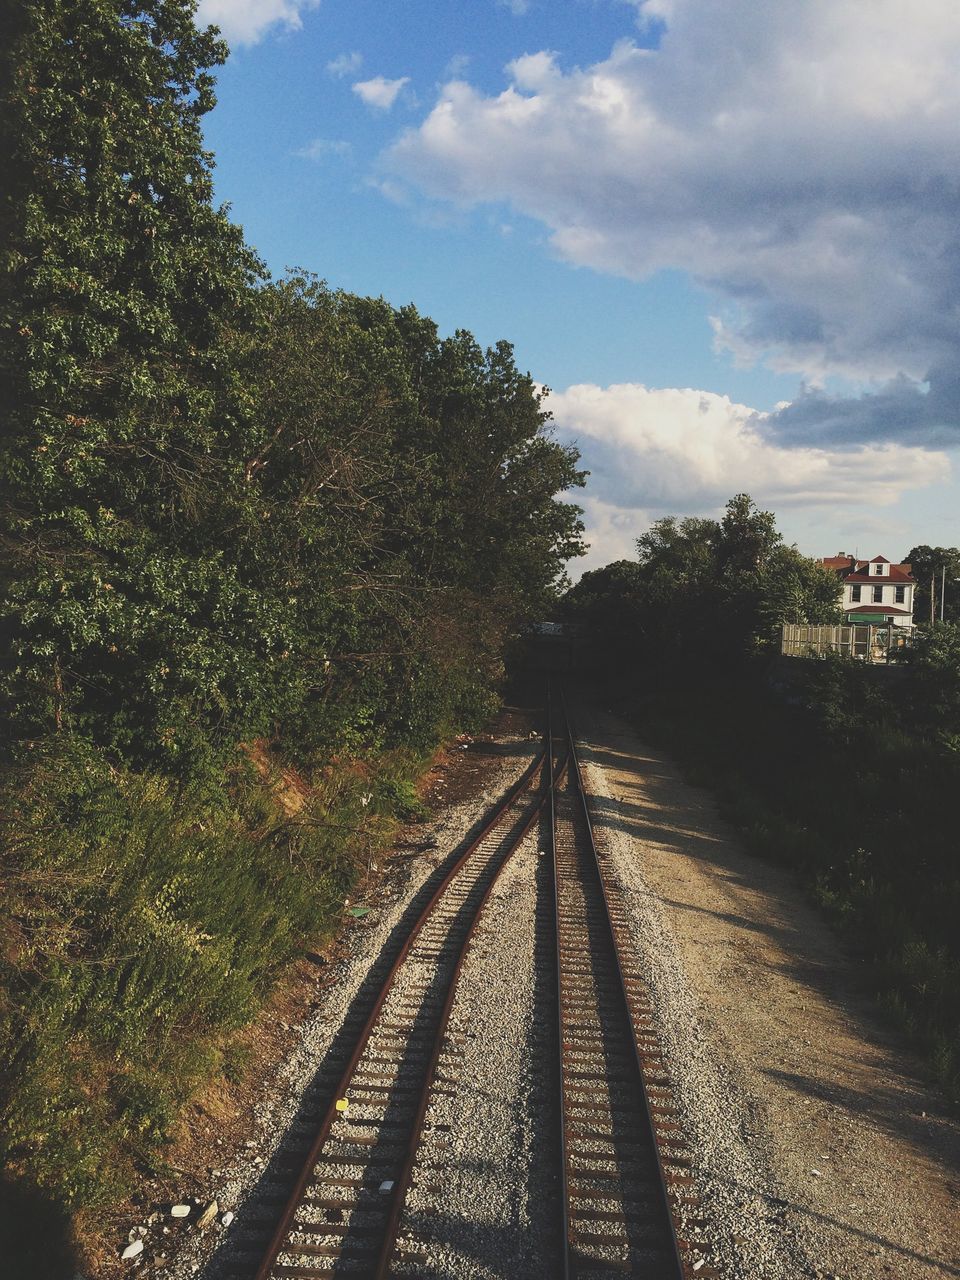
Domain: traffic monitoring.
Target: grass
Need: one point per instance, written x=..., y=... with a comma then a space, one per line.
x=144, y=923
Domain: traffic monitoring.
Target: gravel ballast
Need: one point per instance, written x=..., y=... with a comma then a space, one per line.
x=473, y=1209
x=245, y=1185
x=817, y=1150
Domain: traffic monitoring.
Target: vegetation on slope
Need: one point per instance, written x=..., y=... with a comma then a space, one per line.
x=231, y=511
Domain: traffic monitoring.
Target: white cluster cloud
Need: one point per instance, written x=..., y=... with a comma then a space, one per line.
x=654, y=451
x=801, y=160
x=379, y=92
x=247, y=21
x=320, y=148
x=345, y=64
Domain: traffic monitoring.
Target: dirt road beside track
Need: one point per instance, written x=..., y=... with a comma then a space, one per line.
x=818, y=1144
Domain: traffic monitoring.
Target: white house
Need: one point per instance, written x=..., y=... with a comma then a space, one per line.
x=874, y=590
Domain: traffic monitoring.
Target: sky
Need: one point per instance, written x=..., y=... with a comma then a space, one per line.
x=725, y=234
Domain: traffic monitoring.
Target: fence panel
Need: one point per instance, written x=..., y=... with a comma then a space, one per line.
x=864, y=641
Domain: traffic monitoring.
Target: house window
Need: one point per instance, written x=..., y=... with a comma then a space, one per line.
x=878, y=568
x=901, y=594
x=877, y=594
x=854, y=595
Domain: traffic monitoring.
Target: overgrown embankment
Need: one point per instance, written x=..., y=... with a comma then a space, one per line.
x=145, y=921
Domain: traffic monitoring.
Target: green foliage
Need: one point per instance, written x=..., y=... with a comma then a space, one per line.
x=703, y=590
x=934, y=662
x=939, y=568
x=145, y=922
x=230, y=511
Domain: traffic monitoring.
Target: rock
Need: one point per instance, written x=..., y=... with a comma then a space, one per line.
x=227, y=1218
x=180, y=1211
x=133, y=1250
x=208, y=1215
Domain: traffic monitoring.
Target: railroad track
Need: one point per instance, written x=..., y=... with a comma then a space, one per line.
x=625, y=1172
x=625, y=1178
x=342, y=1216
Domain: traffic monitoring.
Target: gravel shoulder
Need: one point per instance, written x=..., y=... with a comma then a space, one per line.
x=820, y=1150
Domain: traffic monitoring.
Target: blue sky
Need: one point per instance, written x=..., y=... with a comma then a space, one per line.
x=724, y=235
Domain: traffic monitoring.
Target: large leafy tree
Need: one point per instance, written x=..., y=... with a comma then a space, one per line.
x=122, y=420
x=937, y=568
x=409, y=487
x=705, y=590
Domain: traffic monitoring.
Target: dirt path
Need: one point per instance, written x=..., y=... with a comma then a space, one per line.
x=820, y=1150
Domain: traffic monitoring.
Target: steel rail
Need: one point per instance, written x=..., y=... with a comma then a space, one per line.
x=406, y=1175
x=564, y=1151
x=279, y=1237
x=674, y=1264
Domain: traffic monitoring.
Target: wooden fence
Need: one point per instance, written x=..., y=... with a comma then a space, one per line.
x=865, y=641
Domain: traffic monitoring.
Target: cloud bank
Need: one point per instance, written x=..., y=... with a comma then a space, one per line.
x=802, y=161
x=656, y=451
x=247, y=21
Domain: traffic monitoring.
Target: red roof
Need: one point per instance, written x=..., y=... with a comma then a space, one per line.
x=852, y=570
x=897, y=573
x=876, y=608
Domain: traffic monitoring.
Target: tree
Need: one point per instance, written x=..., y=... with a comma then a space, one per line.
x=935, y=565
x=796, y=589
x=120, y=282
x=704, y=591
x=748, y=537
x=935, y=689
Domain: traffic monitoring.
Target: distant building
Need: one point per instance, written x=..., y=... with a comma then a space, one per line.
x=874, y=590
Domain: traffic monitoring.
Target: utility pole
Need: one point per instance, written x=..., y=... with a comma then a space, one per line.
x=933, y=592
x=943, y=587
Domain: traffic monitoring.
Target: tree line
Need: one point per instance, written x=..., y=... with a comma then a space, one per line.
x=230, y=504
x=702, y=591
x=247, y=525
